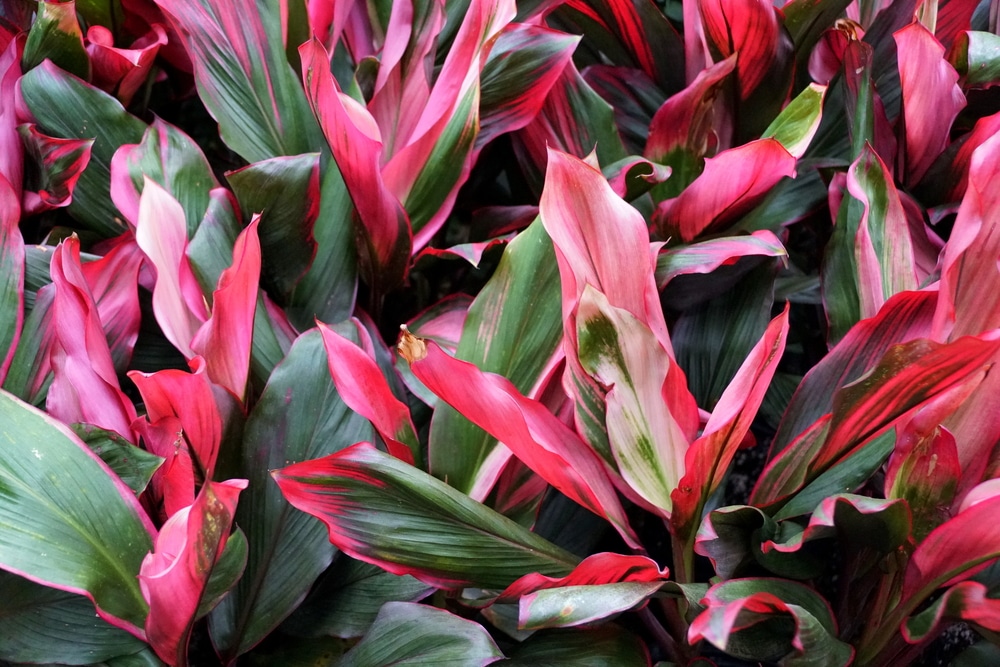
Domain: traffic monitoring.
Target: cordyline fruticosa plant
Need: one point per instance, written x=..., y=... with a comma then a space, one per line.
x=627, y=241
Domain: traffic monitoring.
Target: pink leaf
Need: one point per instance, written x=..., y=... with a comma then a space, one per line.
x=11, y=275
x=364, y=389
x=85, y=387
x=707, y=460
x=172, y=486
x=748, y=28
x=595, y=570
x=707, y=256
x=534, y=434
x=931, y=97
x=113, y=282
x=173, y=578
x=161, y=233
x=61, y=163
x=355, y=141
x=224, y=340
x=11, y=154
x=688, y=119
x=733, y=182
x=189, y=398
x=122, y=71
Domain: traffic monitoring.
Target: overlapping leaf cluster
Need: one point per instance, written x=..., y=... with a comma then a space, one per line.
x=626, y=240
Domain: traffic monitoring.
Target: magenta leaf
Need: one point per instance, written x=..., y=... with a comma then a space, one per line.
x=112, y=281
x=534, y=434
x=733, y=182
x=357, y=147
x=122, y=72
x=11, y=151
x=440, y=536
x=595, y=570
x=748, y=28
x=364, y=389
x=224, y=340
x=931, y=97
x=175, y=575
x=58, y=164
x=85, y=386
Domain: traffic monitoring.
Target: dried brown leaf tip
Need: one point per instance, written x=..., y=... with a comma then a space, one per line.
x=409, y=346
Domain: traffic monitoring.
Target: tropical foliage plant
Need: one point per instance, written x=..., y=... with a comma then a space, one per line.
x=448, y=332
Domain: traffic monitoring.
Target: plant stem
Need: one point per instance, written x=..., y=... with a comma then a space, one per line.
x=663, y=638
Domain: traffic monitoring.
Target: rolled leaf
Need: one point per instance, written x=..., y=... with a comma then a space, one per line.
x=174, y=576
x=59, y=163
x=439, y=536
x=68, y=521
x=113, y=281
x=122, y=72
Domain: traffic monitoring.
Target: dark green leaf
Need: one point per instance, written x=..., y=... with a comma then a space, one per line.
x=133, y=465
x=593, y=647
x=55, y=35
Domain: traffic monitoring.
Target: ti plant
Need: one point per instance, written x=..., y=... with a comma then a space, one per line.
x=632, y=247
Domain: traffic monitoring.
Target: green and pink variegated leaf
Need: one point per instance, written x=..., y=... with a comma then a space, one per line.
x=161, y=233
x=11, y=241
x=11, y=150
x=174, y=576
x=707, y=460
x=440, y=535
x=51, y=531
x=931, y=97
x=534, y=434
x=225, y=339
x=286, y=192
x=174, y=161
x=732, y=183
x=243, y=75
x=364, y=389
x=974, y=56
x=904, y=317
x=85, y=387
x=748, y=28
x=112, y=281
x=764, y=607
x=357, y=147
x=442, y=323
x=56, y=35
x=595, y=570
x=512, y=328
x=622, y=354
x=882, y=247
x=58, y=164
x=405, y=633
x=968, y=601
x=67, y=107
x=122, y=72
x=798, y=122
x=707, y=256
x=582, y=605
x=603, y=242
x=525, y=62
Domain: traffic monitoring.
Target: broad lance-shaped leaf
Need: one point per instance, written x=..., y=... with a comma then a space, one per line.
x=243, y=75
x=55, y=35
x=12, y=153
x=224, y=340
x=66, y=107
x=523, y=65
x=365, y=390
x=67, y=521
x=355, y=140
x=439, y=535
x=113, y=282
x=513, y=328
x=732, y=183
x=616, y=259
x=11, y=276
x=175, y=575
x=931, y=97
x=534, y=434
x=85, y=387
x=414, y=634
x=707, y=460
x=298, y=417
x=621, y=353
